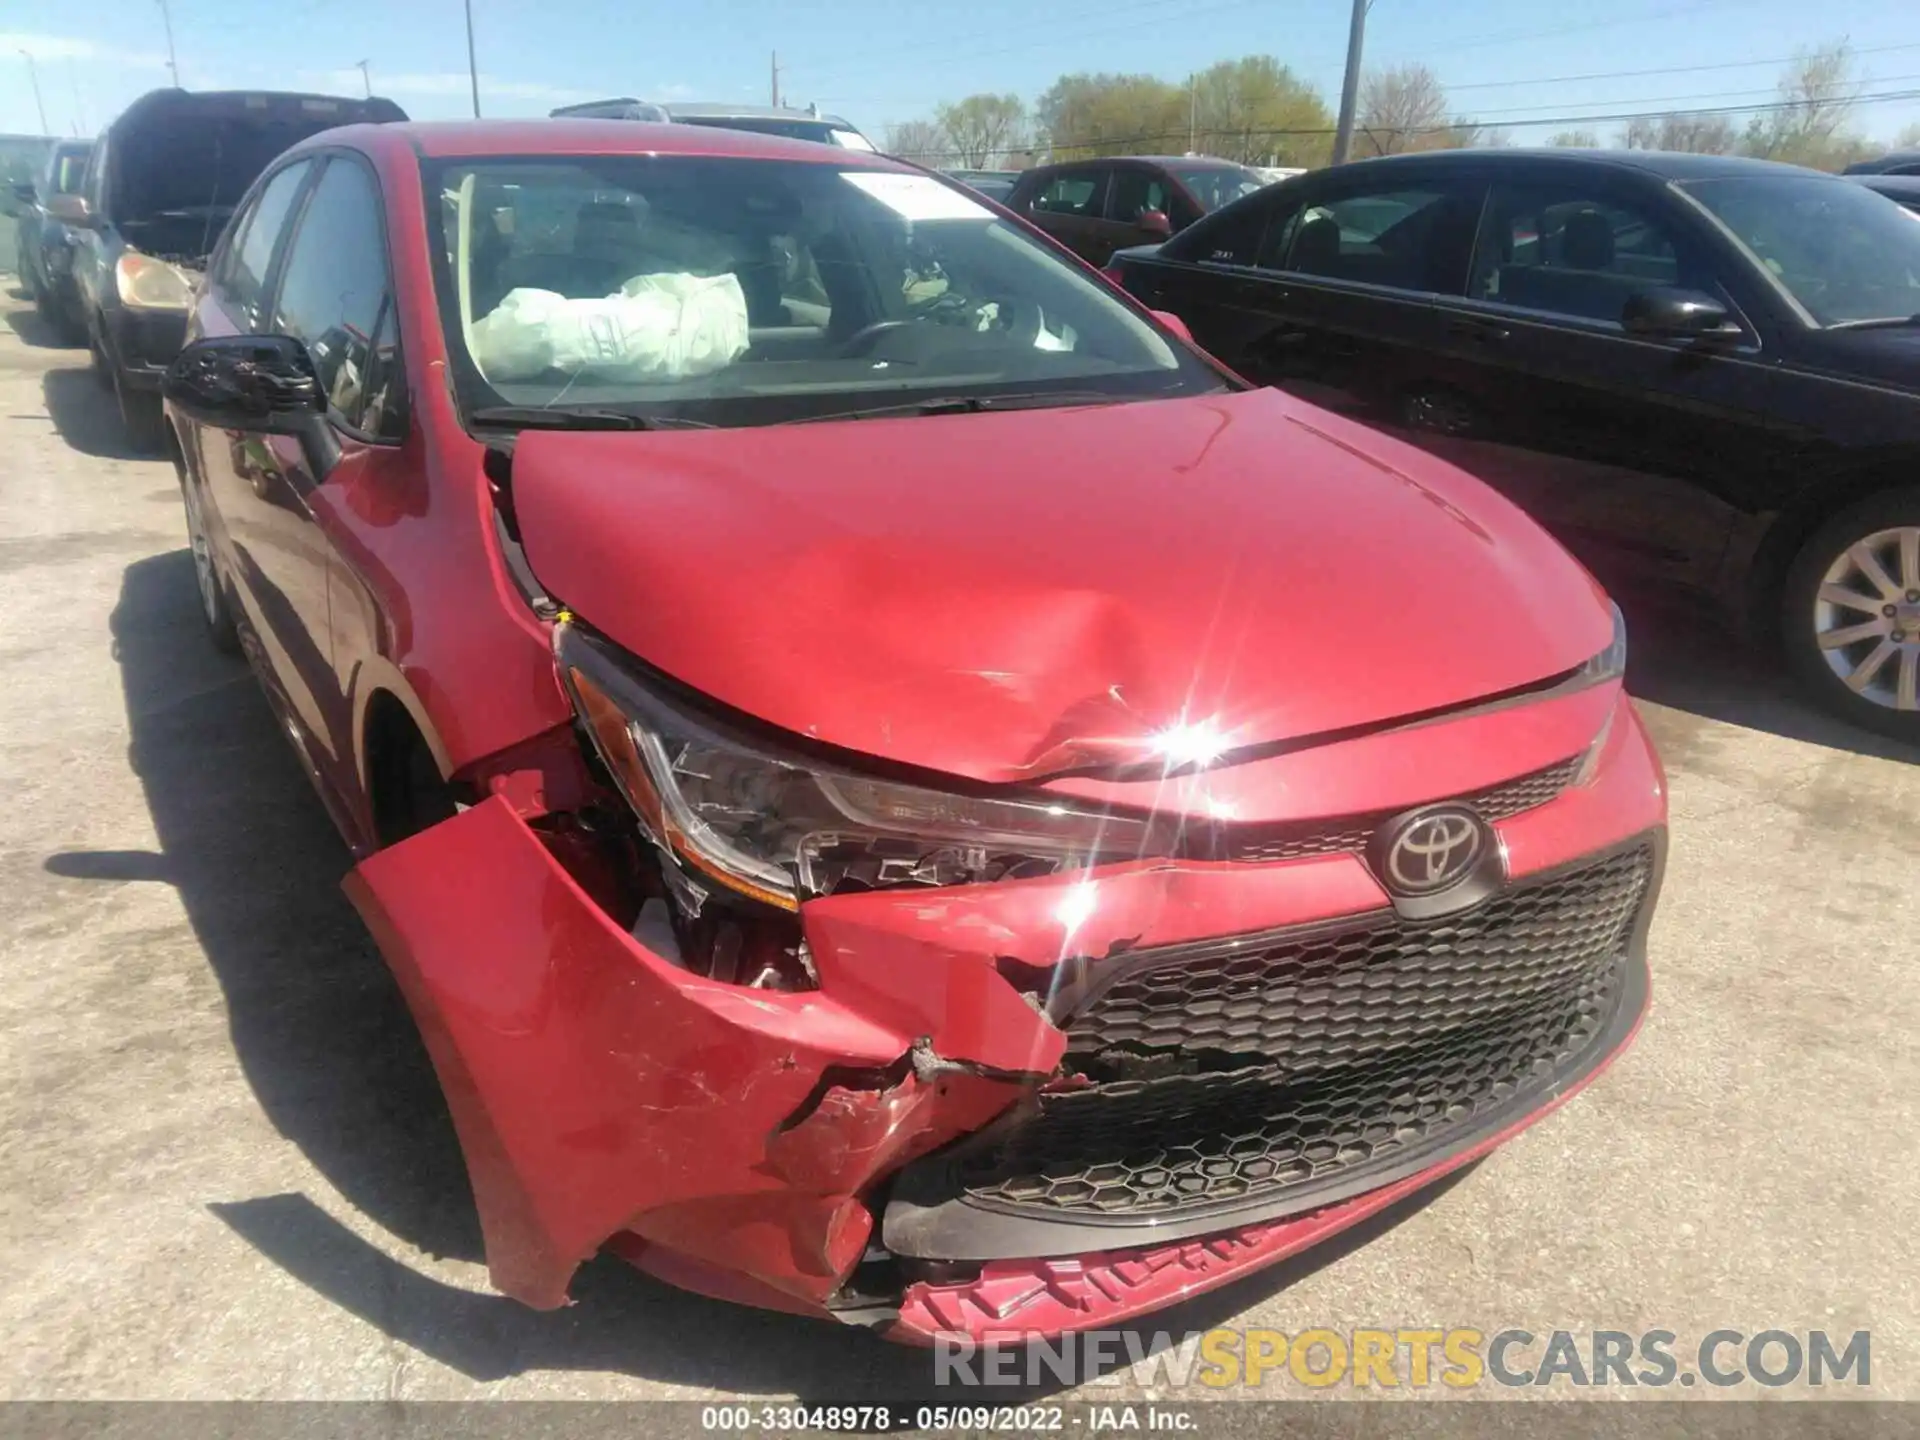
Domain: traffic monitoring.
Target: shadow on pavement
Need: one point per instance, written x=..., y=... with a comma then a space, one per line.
x=327, y=1045
x=85, y=414
x=34, y=329
x=1685, y=660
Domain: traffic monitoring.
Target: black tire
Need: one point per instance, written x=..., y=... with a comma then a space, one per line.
x=60, y=318
x=1881, y=708
x=216, y=610
x=102, y=367
x=141, y=417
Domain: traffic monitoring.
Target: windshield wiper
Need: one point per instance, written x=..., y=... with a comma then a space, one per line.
x=535, y=417
x=976, y=404
x=1878, y=322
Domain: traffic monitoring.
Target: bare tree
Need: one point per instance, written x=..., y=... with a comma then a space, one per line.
x=920, y=140
x=1400, y=109
x=982, y=127
x=1909, y=138
x=1818, y=94
x=1693, y=134
x=1576, y=140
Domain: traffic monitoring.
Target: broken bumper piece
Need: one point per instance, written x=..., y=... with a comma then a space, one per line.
x=1041, y=1104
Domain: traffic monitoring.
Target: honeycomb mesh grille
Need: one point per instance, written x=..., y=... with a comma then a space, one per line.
x=1260, y=844
x=1227, y=1074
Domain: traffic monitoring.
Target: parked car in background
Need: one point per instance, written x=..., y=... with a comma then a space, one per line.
x=860, y=768
x=160, y=184
x=1903, y=190
x=994, y=184
x=808, y=124
x=1897, y=162
x=1697, y=370
x=1095, y=207
x=43, y=245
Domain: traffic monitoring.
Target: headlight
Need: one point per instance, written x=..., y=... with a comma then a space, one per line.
x=1610, y=663
x=779, y=828
x=149, y=284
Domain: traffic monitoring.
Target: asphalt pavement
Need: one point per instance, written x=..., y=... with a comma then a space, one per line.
x=225, y=1171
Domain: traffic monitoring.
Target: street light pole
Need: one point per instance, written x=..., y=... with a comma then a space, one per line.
x=366, y=81
x=1350, y=85
x=33, y=74
x=473, y=69
x=173, y=61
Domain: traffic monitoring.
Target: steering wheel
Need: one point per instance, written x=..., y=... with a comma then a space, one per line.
x=862, y=340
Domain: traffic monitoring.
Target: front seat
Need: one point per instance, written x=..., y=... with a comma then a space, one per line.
x=1587, y=243
x=1316, y=249
x=606, y=245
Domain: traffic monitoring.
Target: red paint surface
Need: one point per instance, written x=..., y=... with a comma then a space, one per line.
x=1241, y=560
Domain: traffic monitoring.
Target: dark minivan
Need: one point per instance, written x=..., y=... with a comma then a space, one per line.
x=1695, y=369
x=160, y=185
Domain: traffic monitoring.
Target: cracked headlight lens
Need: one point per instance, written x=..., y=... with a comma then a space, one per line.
x=779, y=828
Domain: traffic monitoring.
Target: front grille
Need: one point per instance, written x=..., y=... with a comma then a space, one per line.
x=1231, y=1072
x=1259, y=844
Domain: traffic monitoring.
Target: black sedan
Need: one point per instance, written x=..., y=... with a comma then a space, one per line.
x=45, y=258
x=1699, y=370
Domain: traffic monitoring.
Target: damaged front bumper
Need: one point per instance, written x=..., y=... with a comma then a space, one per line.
x=917, y=1145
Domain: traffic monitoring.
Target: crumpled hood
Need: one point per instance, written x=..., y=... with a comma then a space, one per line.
x=1006, y=596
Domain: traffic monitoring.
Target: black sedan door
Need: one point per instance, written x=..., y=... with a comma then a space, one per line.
x=1637, y=450
x=1334, y=300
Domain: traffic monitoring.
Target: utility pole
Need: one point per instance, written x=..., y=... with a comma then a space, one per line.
x=776, y=79
x=366, y=81
x=1193, y=111
x=33, y=74
x=173, y=61
x=79, y=110
x=473, y=69
x=1350, y=86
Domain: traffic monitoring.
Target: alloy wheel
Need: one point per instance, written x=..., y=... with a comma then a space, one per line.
x=1866, y=617
x=204, y=577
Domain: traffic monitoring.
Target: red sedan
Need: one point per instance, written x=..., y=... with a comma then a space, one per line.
x=894, y=788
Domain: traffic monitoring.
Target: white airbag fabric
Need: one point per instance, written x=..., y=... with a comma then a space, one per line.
x=658, y=327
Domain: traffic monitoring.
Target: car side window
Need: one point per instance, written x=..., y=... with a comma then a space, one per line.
x=241, y=274
x=1134, y=192
x=1072, y=192
x=1570, y=250
x=1411, y=238
x=334, y=295
x=1231, y=236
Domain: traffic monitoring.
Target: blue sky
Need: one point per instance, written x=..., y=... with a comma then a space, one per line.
x=877, y=61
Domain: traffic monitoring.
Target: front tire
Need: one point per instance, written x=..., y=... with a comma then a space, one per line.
x=141, y=417
x=1850, y=615
x=214, y=608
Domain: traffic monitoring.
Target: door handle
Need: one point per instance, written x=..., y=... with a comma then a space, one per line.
x=1486, y=332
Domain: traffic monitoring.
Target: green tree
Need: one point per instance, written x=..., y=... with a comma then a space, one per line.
x=982, y=128
x=1083, y=115
x=1257, y=111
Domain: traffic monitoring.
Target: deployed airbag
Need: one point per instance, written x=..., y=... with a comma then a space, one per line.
x=658, y=327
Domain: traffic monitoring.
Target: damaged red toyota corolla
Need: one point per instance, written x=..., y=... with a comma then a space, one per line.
x=894, y=789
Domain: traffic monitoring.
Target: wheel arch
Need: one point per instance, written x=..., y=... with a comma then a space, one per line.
x=391, y=726
x=1793, y=526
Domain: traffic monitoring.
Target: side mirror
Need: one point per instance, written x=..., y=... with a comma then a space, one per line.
x=256, y=384
x=1672, y=314
x=1174, y=323
x=71, y=210
x=1154, y=222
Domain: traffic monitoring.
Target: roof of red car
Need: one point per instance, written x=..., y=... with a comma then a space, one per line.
x=452, y=139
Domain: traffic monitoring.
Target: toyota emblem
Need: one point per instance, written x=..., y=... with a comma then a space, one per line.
x=1433, y=849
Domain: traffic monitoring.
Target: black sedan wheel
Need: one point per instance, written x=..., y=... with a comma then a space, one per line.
x=1852, y=614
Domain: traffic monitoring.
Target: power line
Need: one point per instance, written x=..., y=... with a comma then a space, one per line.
x=1680, y=99
x=1664, y=70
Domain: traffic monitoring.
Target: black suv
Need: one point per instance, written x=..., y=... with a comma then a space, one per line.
x=1696, y=369
x=45, y=246
x=160, y=185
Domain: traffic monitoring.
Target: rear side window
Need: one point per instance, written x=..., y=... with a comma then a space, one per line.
x=241, y=275
x=1409, y=239
x=1071, y=192
x=334, y=296
x=1135, y=192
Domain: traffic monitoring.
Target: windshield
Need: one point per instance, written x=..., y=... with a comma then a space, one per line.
x=727, y=291
x=1844, y=253
x=1217, y=185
